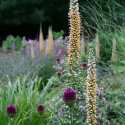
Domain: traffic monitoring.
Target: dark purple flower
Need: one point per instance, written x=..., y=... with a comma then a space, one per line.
x=58, y=59
x=86, y=37
x=84, y=64
x=59, y=74
x=11, y=111
x=69, y=96
x=40, y=109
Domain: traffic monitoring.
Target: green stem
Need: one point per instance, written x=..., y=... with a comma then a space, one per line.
x=71, y=118
x=10, y=121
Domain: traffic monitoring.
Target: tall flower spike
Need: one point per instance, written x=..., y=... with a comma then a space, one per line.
x=75, y=29
x=49, y=45
x=113, y=50
x=97, y=47
x=41, y=40
x=82, y=46
x=91, y=90
x=32, y=52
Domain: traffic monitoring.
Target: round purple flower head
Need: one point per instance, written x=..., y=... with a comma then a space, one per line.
x=40, y=109
x=59, y=74
x=11, y=111
x=69, y=96
x=84, y=64
x=58, y=59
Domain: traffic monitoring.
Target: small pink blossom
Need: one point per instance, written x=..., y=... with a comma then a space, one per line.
x=60, y=51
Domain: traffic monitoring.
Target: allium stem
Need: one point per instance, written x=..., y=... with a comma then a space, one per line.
x=10, y=121
x=71, y=118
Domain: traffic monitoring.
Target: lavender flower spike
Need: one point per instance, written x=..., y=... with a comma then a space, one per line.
x=69, y=96
x=11, y=111
x=40, y=109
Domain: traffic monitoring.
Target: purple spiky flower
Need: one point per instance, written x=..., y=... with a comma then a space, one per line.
x=11, y=110
x=58, y=59
x=59, y=74
x=84, y=64
x=69, y=96
x=40, y=109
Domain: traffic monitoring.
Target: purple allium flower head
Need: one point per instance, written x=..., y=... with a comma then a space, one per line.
x=59, y=74
x=11, y=111
x=40, y=109
x=58, y=59
x=69, y=96
x=84, y=64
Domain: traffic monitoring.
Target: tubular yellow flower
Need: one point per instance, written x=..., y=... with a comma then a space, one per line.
x=97, y=47
x=41, y=40
x=75, y=29
x=113, y=50
x=91, y=90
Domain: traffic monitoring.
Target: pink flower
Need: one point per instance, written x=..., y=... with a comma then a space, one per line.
x=60, y=51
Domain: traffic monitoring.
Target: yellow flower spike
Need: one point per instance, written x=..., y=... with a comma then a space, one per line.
x=49, y=45
x=32, y=52
x=97, y=47
x=113, y=50
x=41, y=40
x=91, y=91
x=75, y=29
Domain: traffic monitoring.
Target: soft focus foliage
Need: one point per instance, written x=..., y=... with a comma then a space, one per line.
x=26, y=97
